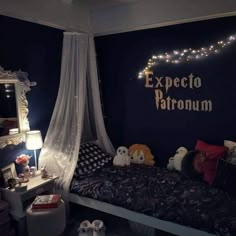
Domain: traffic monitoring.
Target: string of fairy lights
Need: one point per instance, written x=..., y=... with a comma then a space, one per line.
x=184, y=55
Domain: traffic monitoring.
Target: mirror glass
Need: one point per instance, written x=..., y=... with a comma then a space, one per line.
x=8, y=110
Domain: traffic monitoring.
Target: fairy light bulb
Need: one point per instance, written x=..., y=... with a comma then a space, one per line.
x=189, y=54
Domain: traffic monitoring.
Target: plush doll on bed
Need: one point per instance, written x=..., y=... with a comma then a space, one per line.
x=122, y=157
x=176, y=160
x=141, y=154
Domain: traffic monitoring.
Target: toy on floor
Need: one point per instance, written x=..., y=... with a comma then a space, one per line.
x=122, y=157
x=141, y=154
x=176, y=160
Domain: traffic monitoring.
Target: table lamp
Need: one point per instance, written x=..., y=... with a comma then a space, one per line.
x=34, y=141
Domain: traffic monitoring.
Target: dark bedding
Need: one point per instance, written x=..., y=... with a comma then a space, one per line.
x=162, y=194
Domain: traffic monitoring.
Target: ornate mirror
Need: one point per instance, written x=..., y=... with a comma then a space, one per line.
x=13, y=107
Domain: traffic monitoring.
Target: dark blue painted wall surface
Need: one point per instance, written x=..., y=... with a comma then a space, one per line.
x=130, y=108
x=132, y=116
x=35, y=49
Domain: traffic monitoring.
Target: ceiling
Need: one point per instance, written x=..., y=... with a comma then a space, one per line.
x=102, y=17
x=104, y=3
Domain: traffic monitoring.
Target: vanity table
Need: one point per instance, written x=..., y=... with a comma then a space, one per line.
x=18, y=201
x=14, y=123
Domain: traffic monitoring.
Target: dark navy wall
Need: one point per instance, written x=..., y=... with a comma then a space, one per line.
x=35, y=49
x=130, y=108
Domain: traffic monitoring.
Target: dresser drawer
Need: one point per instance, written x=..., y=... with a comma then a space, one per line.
x=48, y=187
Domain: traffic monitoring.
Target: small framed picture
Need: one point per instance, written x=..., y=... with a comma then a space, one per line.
x=8, y=172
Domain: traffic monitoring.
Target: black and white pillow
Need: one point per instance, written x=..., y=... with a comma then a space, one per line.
x=91, y=158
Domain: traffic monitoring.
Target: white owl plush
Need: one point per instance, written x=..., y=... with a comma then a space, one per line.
x=176, y=160
x=122, y=157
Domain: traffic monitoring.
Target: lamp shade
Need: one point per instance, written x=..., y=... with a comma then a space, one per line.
x=33, y=140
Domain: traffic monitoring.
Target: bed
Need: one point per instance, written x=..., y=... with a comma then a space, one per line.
x=158, y=198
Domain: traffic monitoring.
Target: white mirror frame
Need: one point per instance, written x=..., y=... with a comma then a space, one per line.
x=21, y=106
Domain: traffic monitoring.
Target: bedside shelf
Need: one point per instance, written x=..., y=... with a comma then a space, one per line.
x=18, y=201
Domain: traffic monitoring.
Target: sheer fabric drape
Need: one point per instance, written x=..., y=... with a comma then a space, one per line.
x=77, y=111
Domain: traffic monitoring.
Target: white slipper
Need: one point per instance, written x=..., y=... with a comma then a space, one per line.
x=85, y=229
x=98, y=228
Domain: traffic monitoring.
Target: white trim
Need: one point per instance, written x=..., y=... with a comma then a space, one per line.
x=167, y=226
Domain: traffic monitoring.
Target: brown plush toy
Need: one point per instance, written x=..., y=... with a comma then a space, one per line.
x=141, y=154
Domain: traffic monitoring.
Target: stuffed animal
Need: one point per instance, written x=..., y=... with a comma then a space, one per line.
x=141, y=154
x=122, y=157
x=175, y=161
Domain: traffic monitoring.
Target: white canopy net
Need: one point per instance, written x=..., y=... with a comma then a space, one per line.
x=77, y=114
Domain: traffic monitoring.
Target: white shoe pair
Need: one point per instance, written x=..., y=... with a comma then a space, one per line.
x=96, y=228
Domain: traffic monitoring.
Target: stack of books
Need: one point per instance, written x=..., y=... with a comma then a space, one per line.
x=46, y=201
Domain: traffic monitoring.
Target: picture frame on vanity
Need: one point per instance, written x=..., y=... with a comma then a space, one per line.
x=8, y=172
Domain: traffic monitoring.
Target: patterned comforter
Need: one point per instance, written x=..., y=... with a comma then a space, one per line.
x=162, y=194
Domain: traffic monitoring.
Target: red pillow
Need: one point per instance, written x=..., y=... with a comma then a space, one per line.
x=211, y=155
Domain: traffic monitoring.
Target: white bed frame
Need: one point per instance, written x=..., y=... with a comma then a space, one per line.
x=166, y=226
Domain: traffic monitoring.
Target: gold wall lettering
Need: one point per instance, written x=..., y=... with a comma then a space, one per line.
x=168, y=103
